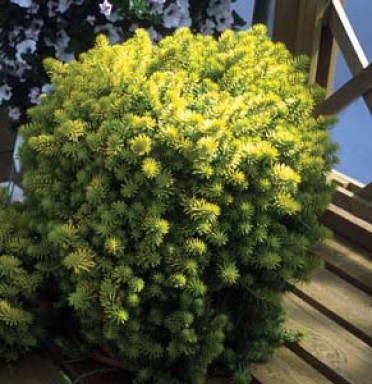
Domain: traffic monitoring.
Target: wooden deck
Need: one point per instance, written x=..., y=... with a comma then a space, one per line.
x=335, y=308
x=335, y=312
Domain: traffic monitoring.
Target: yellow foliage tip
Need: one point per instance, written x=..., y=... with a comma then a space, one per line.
x=150, y=168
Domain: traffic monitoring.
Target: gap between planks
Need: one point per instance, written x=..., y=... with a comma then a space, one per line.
x=340, y=301
x=329, y=348
x=287, y=368
x=347, y=260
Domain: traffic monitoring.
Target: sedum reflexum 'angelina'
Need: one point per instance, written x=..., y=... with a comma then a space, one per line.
x=18, y=283
x=179, y=186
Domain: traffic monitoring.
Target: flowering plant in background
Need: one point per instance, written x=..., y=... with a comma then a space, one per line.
x=31, y=30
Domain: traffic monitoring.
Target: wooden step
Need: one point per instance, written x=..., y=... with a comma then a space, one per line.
x=346, y=182
x=287, y=368
x=339, y=300
x=347, y=260
x=366, y=192
x=353, y=203
x=349, y=226
x=328, y=347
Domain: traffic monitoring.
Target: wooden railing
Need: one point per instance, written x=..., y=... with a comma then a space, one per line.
x=318, y=28
x=361, y=83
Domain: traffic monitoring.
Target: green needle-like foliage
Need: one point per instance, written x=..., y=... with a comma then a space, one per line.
x=18, y=283
x=176, y=188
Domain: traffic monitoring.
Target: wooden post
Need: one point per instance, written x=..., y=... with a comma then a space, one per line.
x=300, y=24
x=7, y=139
x=264, y=13
x=349, y=44
x=326, y=66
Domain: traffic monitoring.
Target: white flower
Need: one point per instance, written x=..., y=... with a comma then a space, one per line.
x=5, y=93
x=105, y=8
x=224, y=20
x=60, y=6
x=14, y=113
x=47, y=88
x=157, y=8
x=115, y=16
x=25, y=46
x=63, y=40
x=20, y=70
x=171, y=16
x=13, y=35
x=16, y=68
x=64, y=56
x=33, y=32
x=184, y=5
x=133, y=27
x=155, y=35
x=218, y=7
x=63, y=5
x=215, y=7
x=208, y=28
x=91, y=19
x=112, y=33
x=177, y=15
x=34, y=95
x=52, y=8
x=33, y=9
x=22, y=3
x=220, y=14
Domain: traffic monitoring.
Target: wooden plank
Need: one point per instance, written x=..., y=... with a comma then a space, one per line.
x=333, y=351
x=7, y=137
x=348, y=226
x=346, y=182
x=264, y=13
x=366, y=192
x=353, y=203
x=349, y=44
x=342, y=302
x=6, y=163
x=306, y=36
x=346, y=38
x=348, y=261
x=327, y=60
x=287, y=368
x=328, y=52
x=310, y=37
x=358, y=86
x=283, y=30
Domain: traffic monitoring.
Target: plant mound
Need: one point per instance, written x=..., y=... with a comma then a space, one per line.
x=18, y=283
x=177, y=188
